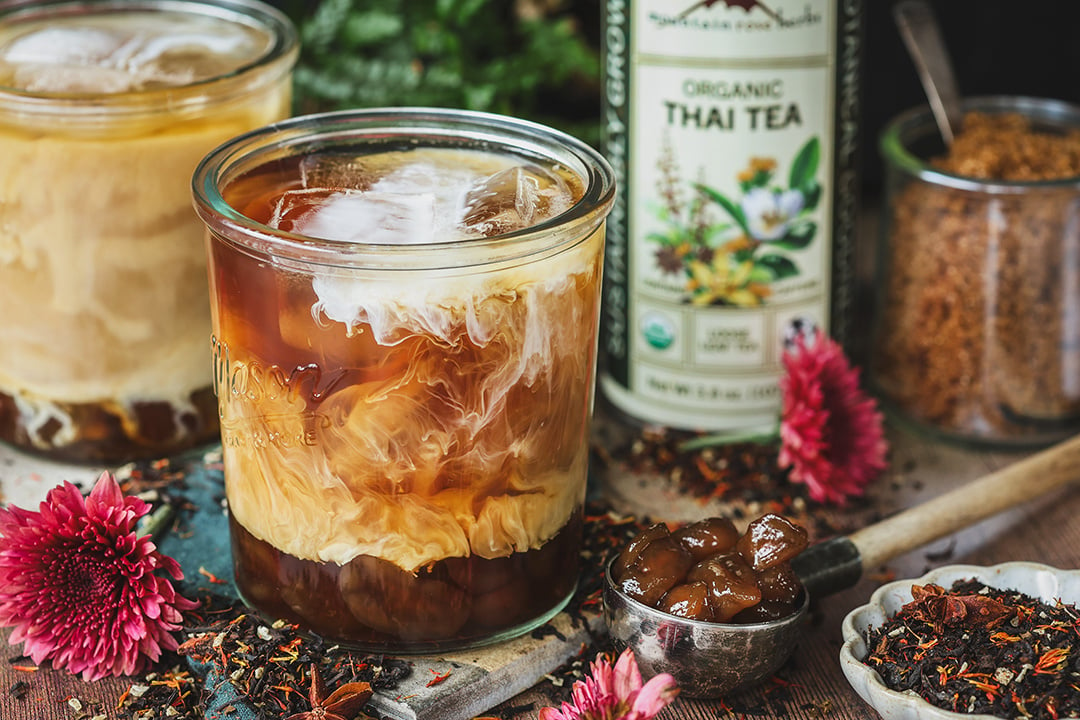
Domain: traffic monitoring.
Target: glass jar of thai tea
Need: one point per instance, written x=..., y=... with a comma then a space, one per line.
x=106, y=107
x=405, y=309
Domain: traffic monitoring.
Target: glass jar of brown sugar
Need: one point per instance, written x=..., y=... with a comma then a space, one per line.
x=977, y=319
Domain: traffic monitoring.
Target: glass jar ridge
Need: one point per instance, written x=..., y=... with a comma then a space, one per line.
x=390, y=127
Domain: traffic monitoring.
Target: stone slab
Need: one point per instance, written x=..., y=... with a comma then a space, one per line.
x=483, y=678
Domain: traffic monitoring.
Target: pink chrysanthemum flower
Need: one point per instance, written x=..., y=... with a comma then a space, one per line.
x=615, y=693
x=830, y=432
x=80, y=588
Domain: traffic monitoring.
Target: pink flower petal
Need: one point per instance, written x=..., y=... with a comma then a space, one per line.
x=657, y=694
x=78, y=588
x=615, y=693
x=831, y=433
x=627, y=675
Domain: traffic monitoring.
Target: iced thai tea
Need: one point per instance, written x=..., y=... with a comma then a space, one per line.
x=405, y=321
x=106, y=107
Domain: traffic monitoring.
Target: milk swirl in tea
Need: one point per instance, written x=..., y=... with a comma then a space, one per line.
x=405, y=451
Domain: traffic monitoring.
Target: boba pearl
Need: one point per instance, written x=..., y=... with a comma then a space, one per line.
x=707, y=571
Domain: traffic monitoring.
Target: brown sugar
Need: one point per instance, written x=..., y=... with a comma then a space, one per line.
x=978, y=330
x=1006, y=147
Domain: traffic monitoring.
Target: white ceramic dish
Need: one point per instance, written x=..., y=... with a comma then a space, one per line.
x=1040, y=581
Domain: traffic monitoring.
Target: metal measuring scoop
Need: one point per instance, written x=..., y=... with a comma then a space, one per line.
x=919, y=28
x=712, y=659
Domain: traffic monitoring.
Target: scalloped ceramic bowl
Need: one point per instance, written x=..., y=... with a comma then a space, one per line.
x=1040, y=581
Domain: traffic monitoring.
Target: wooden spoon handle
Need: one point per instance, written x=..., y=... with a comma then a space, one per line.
x=1012, y=485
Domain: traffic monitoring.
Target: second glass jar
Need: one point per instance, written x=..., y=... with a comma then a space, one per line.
x=106, y=107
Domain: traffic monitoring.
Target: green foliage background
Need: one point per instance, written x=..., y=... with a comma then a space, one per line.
x=535, y=59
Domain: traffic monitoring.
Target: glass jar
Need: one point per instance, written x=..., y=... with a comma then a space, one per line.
x=405, y=307
x=977, y=320
x=106, y=108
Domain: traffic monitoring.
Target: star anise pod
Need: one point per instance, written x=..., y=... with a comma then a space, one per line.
x=932, y=604
x=342, y=704
x=668, y=260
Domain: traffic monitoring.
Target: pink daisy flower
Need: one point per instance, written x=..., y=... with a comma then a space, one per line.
x=80, y=589
x=615, y=693
x=830, y=432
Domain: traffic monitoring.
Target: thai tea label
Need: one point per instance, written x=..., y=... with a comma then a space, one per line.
x=725, y=122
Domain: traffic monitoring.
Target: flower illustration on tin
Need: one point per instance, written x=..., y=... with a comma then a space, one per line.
x=725, y=281
x=735, y=261
x=770, y=213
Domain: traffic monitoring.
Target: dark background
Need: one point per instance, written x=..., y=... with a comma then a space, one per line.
x=998, y=47
x=1021, y=47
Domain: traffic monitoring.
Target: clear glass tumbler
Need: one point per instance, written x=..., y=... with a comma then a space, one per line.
x=977, y=320
x=106, y=107
x=405, y=307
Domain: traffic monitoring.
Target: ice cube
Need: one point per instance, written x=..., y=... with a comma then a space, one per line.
x=47, y=78
x=396, y=172
x=132, y=52
x=63, y=46
x=472, y=194
x=294, y=204
x=504, y=202
x=372, y=217
x=67, y=60
x=512, y=199
x=185, y=57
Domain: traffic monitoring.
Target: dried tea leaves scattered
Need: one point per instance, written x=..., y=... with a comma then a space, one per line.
x=269, y=666
x=743, y=479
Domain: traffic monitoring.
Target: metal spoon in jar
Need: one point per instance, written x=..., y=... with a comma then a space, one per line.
x=919, y=28
x=713, y=659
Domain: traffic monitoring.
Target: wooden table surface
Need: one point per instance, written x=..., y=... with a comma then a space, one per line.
x=1045, y=529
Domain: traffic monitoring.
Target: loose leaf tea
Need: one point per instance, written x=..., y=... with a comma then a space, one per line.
x=978, y=649
x=269, y=664
x=271, y=667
